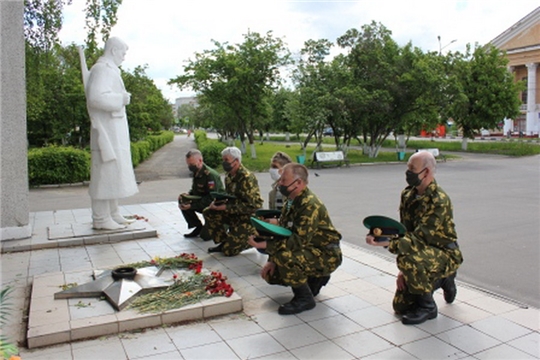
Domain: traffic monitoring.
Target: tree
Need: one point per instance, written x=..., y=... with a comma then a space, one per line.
x=236, y=80
x=148, y=108
x=483, y=90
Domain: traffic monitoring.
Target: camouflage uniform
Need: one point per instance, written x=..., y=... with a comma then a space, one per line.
x=232, y=227
x=205, y=181
x=313, y=248
x=428, y=251
x=275, y=198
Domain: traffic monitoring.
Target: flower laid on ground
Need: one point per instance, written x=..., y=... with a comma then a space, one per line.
x=188, y=286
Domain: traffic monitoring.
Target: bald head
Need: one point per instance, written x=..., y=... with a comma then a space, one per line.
x=423, y=159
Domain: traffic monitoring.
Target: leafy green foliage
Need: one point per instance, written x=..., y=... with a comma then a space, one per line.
x=484, y=92
x=58, y=165
x=234, y=82
x=6, y=347
x=210, y=149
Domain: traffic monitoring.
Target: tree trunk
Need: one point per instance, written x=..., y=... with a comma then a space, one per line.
x=287, y=136
x=253, y=151
x=464, y=144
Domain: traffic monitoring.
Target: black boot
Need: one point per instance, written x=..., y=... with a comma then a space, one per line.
x=316, y=283
x=303, y=300
x=194, y=233
x=426, y=309
x=449, y=288
x=218, y=248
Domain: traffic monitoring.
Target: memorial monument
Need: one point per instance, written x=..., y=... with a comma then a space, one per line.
x=112, y=176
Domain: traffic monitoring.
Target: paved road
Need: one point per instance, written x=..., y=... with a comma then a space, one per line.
x=496, y=206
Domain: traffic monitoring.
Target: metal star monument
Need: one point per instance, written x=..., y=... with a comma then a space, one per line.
x=118, y=286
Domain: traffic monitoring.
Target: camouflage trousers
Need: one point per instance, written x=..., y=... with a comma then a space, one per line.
x=421, y=270
x=294, y=268
x=230, y=230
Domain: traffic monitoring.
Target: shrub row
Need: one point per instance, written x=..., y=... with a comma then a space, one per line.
x=66, y=165
x=58, y=165
x=210, y=149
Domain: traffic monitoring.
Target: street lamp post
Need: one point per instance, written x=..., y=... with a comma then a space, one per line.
x=443, y=47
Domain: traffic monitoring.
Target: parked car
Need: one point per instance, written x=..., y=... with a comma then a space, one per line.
x=484, y=132
x=328, y=131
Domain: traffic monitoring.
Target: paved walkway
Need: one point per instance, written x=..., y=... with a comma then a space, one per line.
x=353, y=318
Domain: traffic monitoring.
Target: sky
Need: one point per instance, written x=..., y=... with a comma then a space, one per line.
x=165, y=34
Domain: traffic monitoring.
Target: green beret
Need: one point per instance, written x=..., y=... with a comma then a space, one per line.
x=268, y=214
x=187, y=199
x=221, y=198
x=269, y=231
x=384, y=228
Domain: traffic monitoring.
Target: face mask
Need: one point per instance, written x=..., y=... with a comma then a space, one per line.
x=274, y=174
x=284, y=189
x=193, y=168
x=412, y=178
x=228, y=166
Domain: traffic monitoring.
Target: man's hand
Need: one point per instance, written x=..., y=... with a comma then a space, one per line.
x=370, y=240
x=213, y=206
x=268, y=270
x=184, y=206
x=255, y=244
x=272, y=221
x=400, y=282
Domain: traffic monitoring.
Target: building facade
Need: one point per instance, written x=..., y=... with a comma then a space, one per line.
x=521, y=42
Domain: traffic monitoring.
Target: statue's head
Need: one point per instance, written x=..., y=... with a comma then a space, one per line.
x=115, y=49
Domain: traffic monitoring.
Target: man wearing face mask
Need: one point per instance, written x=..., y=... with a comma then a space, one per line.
x=428, y=255
x=275, y=198
x=229, y=224
x=205, y=180
x=305, y=260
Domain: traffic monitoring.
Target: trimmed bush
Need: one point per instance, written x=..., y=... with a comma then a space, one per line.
x=211, y=151
x=58, y=165
x=67, y=165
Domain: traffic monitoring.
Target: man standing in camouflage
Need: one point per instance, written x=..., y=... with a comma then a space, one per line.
x=305, y=260
x=428, y=255
x=205, y=180
x=229, y=224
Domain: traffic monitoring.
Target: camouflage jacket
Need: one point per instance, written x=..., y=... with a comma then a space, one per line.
x=245, y=187
x=309, y=222
x=205, y=181
x=428, y=219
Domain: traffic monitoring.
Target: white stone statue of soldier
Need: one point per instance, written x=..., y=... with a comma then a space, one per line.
x=112, y=175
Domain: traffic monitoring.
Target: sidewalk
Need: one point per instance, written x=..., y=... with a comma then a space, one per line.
x=353, y=317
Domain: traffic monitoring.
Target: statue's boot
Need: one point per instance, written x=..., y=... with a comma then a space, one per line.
x=101, y=215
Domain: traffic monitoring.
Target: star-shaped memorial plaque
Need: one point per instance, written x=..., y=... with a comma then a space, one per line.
x=119, y=286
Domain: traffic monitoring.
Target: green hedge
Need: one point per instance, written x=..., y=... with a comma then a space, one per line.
x=210, y=149
x=67, y=165
x=58, y=165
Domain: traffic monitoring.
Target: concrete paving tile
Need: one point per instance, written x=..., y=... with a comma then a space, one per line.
x=89, y=328
x=500, y=328
x=48, y=334
x=362, y=344
x=323, y=350
x=468, y=339
x=297, y=336
x=254, y=346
